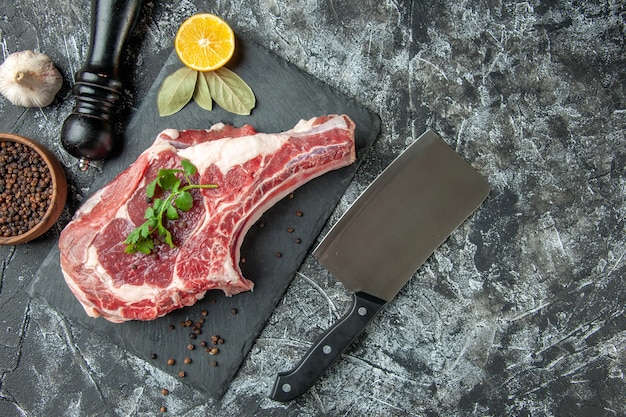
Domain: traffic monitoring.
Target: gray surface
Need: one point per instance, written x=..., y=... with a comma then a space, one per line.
x=520, y=312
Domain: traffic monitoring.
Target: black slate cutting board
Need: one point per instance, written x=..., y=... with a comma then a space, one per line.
x=284, y=96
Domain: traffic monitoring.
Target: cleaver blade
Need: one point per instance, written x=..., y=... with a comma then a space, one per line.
x=383, y=239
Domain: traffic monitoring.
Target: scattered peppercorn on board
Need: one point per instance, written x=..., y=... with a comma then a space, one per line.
x=205, y=344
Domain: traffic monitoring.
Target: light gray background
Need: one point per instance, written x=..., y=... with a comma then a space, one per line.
x=520, y=312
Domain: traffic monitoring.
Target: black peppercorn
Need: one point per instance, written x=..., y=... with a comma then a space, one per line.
x=25, y=188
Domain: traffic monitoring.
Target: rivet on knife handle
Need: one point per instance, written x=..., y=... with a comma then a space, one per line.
x=325, y=351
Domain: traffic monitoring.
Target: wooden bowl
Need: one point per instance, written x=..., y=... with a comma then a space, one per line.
x=59, y=191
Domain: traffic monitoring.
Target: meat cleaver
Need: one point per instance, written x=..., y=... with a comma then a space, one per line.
x=381, y=241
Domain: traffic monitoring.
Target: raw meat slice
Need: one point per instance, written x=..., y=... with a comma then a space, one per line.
x=252, y=170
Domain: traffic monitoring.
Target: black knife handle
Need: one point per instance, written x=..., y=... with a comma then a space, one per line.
x=88, y=132
x=327, y=349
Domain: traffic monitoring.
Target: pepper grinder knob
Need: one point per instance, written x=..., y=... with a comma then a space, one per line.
x=89, y=132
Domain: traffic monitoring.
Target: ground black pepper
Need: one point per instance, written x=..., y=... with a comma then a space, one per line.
x=25, y=188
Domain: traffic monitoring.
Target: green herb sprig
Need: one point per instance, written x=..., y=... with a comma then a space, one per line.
x=141, y=239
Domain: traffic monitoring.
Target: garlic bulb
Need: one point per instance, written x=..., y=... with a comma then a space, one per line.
x=29, y=79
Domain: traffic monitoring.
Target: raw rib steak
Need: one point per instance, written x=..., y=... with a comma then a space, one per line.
x=252, y=170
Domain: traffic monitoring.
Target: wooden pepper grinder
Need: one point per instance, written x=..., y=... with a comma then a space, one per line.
x=88, y=132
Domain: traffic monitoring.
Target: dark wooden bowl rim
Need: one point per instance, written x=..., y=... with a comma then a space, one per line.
x=59, y=191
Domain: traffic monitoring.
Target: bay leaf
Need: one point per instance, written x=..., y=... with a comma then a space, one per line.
x=202, y=94
x=176, y=91
x=230, y=91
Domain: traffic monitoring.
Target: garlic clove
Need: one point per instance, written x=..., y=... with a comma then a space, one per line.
x=29, y=79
